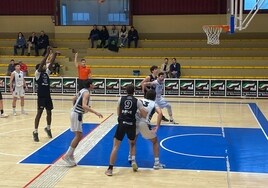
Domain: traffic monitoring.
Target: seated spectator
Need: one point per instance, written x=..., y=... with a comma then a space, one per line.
x=133, y=36
x=55, y=69
x=23, y=68
x=32, y=43
x=10, y=67
x=104, y=36
x=94, y=35
x=123, y=36
x=113, y=39
x=43, y=42
x=175, y=69
x=165, y=68
x=20, y=43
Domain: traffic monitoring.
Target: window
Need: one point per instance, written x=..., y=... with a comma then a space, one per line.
x=90, y=12
x=249, y=4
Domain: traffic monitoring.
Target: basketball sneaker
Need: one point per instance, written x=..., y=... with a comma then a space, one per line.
x=48, y=131
x=158, y=166
x=14, y=113
x=172, y=121
x=3, y=115
x=69, y=160
x=35, y=137
x=164, y=118
x=134, y=166
x=109, y=172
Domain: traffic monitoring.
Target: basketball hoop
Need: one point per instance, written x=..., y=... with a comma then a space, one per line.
x=213, y=33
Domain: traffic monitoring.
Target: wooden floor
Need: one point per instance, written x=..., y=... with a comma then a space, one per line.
x=16, y=142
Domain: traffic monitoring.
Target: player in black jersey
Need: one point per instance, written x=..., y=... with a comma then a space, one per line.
x=126, y=111
x=44, y=100
x=150, y=78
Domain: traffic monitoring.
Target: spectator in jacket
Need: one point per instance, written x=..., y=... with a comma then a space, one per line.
x=32, y=43
x=133, y=36
x=123, y=36
x=43, y=42
x=165, y=68
x=175, y=69
x=104, y=36
x=11, y=67
x=94, y=35
x=20, y=43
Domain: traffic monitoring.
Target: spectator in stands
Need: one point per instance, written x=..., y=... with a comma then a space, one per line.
x=43, y=43
x=94, y=35
x=55, y=67
x=123, y=36
x=20, y=43
x=165, y=68
x=32, y=43
x=133, y=36
x=84, y=72
x=23, y=68
x=113, y=35
x=104, y=36
x=10, y=67
x=175, y=69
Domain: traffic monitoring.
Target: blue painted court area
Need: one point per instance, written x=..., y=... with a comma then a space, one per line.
x=50, y=152
x=182, y=147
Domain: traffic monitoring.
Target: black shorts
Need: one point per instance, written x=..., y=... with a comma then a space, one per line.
x=122, y=129
x=44, y=102
x=1, y=97
x=80, y=84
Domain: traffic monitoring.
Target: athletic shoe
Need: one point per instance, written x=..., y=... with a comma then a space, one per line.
x=3, y=115
x=35, y=137
x=68, y=159
x=158, y=166
x=164, y=118
x=109, y=172
x=14, y=113
x=129, y=159
x=172, y=121
x=48, y=131
x=134, y=166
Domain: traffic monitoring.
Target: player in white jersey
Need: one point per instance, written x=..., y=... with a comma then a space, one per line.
x=160, y=100
x=81, y=106
x=144, y=126
x=17, y=88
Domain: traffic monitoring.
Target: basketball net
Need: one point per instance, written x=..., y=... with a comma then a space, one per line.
x=213, y=33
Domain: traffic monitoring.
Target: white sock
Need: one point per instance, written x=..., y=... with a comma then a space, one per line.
x=70, y=151
x=35, y=130
x=133, y=157
x=156, y=160
x=48, y=127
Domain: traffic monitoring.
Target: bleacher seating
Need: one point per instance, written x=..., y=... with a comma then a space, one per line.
x=243, y=58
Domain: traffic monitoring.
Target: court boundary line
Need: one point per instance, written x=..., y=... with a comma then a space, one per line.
x=53, y=173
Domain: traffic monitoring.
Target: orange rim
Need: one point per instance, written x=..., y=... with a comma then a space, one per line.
x=225, y=28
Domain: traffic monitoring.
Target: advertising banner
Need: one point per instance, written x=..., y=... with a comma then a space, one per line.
x=171, y=87
x=233, y=88
x=249, y=88
x=217, y=88
x=187, y=87
x=124, y=83
x=99, y=86
x=30, y=85
x=263, y=89
x=2, y=84
x=112, y=86
x=56, y=85
x=202, y=87
x=138, y=88
x=69, y=85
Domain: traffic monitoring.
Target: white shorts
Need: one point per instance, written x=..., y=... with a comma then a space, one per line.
x=18, y=92
x=76, y=126
x=161, y=102
x=144, y=129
